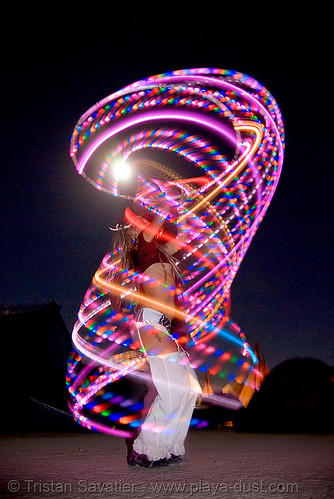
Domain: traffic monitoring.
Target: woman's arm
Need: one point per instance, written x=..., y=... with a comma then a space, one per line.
x=153, y=228
x=176, y=243
x=140, y=224
x=170, y=243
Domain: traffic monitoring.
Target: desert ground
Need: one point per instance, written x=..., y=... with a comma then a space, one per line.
x=220, y=463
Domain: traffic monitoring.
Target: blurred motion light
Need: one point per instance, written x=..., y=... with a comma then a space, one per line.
x=121, y=170
x=211, y=141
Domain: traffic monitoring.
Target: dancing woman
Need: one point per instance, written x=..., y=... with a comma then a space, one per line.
x=146, y=248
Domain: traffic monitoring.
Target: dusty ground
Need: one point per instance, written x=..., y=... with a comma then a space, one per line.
x=220, y=464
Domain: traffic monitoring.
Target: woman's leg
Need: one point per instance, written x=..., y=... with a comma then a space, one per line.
x=164, y=430
x=166, y=426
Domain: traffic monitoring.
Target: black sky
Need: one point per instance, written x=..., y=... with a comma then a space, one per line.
x=54, y=225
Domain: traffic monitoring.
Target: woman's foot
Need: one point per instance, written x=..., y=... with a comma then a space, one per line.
x=142, y=460
x=175, y=459
x=136, y=459
x=161, y=463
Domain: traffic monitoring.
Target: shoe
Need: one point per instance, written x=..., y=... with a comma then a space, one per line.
x=173, y=459
x=136, y=459
x=161, y=463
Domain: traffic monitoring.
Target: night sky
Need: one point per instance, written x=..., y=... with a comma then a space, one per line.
x=54, y=224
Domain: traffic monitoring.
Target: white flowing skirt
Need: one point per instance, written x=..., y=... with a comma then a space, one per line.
x=166, y=425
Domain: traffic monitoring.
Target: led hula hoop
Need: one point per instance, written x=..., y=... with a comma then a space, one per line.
x=218, y=136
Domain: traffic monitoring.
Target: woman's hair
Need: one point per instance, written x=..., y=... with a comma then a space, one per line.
x=126, y=242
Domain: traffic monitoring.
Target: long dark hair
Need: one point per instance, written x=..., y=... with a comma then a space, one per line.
x=125, y=243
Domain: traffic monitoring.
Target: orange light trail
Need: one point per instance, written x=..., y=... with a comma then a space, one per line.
x=225, y=132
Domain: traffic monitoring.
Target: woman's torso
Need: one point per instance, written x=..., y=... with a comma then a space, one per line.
x=160, y=283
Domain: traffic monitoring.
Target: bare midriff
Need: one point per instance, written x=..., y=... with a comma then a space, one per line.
x=161, y=288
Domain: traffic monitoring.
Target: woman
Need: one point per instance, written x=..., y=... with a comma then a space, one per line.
x=148, y=248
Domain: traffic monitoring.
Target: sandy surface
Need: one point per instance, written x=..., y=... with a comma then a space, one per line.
x=219, y=463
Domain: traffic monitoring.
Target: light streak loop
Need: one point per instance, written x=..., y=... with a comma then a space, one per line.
x=218, y=136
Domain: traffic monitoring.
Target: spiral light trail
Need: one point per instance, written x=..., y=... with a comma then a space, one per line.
x=218, y=137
